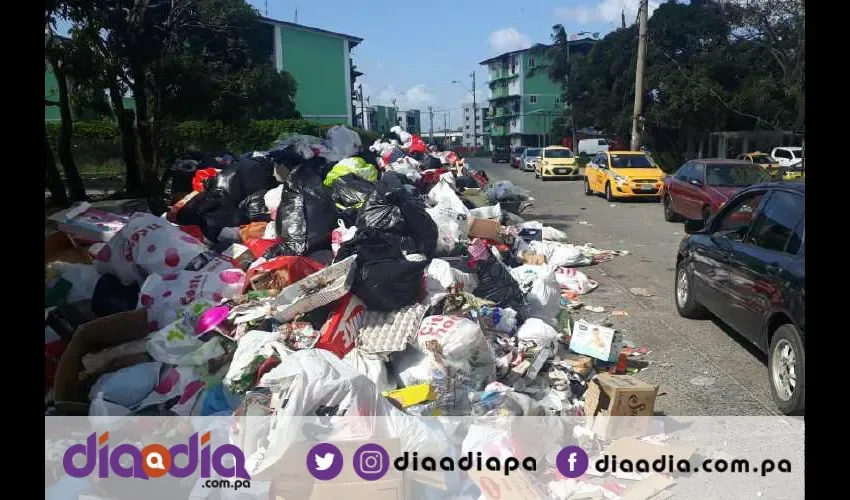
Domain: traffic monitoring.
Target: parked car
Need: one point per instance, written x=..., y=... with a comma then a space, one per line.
x=621, y=174
x=747, y=267
x=787, y=156
x=501, y=154
x=759, y=158
x=556, y=162
x=516, y=154
x=700, y=187
x=529, y=158
x=592, y=147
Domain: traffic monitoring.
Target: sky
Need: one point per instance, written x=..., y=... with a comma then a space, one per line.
x=412, y=51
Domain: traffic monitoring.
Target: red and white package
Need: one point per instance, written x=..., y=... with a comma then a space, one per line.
x=147, y=245
x=339, y=333
x=165, y=296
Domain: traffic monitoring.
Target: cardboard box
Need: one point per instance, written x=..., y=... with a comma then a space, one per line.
x=533, y=259
x=596, y=341
x=293, y=482
x=620, y=396
x=634, y=449
x=485, y=228
x=59, y=247
x=95, y=336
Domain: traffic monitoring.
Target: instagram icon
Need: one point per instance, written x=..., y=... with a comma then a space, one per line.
x=371, y=462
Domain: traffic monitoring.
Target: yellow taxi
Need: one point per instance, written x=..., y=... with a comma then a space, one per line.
x=556, y=162
x=623, y=174
x=766, y=161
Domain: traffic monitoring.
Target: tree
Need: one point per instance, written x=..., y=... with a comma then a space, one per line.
x=53, y=181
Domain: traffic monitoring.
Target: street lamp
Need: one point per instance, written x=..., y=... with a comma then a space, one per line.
x=569, y=70
x=474, y=110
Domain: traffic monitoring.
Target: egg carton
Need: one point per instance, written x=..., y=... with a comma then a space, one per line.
x=389, y=331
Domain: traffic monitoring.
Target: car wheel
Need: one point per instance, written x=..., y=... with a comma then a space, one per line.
x=587, y=190
x=787, y=367
x=669, y=214
x=608, y=194
x=683, y=295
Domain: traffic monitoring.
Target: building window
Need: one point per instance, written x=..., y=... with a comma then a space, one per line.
x=532, y=99
x=467, y=117
x=468, y=136
x=467, y=127
x=557, y=100
x=531, y=62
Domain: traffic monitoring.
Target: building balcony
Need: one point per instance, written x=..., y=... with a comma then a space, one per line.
x=499, y=130
x=499, y=76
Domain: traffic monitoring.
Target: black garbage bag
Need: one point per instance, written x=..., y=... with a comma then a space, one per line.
x=351, y=191
x=254, y=206
x=237, y=180
x=212, y=211
x=385, y=280
x=432, y=162
x=394, y=208
x=306, y=214
x=495, y=283
x=466, y=182
x=369, y=157
x=224, y=216
x=111, y=296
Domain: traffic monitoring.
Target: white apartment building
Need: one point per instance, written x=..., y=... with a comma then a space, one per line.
x=467, y=124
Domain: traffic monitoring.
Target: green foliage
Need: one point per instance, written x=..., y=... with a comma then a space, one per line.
x=99, y=142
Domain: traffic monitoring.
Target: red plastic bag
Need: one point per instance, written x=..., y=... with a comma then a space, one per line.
x=417, y=145
x=202, y=175
x=339, y=332
x=194, y=231
x=281, y=271
x=259, y=246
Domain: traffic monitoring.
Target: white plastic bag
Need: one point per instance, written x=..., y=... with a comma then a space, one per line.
x=176, y=345
x=452, y=227
x=147, y=245
x=343, y=142
x=254, y=343
x=407, y=167
x=83, y=279
x=575, y=280
x=184, y=382
x=461, y=341
x=543, y=295
x=537, y=331
x=405, y=137
x=557, y=254
x=440, y=276
x=372, y=366
x=553, y=234
x=272, y=200
x=340, y=235
x=488, y=212
x=164, y=296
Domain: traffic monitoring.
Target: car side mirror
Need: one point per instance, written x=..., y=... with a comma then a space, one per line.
x=694, y=226
x=696, y=182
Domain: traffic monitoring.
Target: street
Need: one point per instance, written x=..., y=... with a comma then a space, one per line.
x=702, y=367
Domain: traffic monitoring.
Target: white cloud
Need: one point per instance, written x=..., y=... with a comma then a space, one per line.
x=507, y=40
x=608, y=11
x=416, y=97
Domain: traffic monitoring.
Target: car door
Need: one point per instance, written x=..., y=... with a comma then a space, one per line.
x=602, y=172
x=783, y=157
x=590, y=172
x=693, y=193
x=676, y=185
x=762, y=265
x=712, y=257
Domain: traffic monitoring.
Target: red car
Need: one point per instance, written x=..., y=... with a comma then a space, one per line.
x=700, y=187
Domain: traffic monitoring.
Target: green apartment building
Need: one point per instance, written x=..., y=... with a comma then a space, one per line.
x=523, y=100
x=320, y=61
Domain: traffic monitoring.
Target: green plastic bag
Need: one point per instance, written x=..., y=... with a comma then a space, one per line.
x=354, y=165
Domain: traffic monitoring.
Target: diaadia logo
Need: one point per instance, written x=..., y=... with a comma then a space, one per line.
x=154, y=460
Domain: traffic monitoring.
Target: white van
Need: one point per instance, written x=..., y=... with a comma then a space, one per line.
x=591, y=147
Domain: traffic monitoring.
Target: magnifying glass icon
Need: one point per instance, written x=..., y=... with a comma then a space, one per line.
x=154, y=461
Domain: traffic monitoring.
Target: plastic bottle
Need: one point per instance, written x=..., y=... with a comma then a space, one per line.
x=499, y=319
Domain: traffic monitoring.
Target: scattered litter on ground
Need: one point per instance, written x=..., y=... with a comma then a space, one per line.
x=640, y=292
x=619, y=313
x=702, y=381
x=596, y=309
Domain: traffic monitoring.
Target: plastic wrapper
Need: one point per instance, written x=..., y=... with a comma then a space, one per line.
x=450, y=381
x=252, y=350
x=254, y=206
x=163, y=296
x=542, y=293
x=496, y=284
x=280, y=272
x=575, y=280
x=354, y=165
x=147, y=245
x=272, y=200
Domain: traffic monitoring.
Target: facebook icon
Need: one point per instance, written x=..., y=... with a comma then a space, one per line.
x=572, y=462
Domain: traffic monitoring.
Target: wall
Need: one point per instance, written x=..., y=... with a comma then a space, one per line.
x=51, y=91
x=317, y=63
x=538, y=116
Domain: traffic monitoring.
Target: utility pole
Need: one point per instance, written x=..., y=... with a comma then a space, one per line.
x=431, y=124
x=445, y=127
x=474, y=116
x=641, y=62
x=569, y=91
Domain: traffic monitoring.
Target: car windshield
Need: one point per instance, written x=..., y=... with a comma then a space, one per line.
x=501, y=149
x=762, y=159
x=797, y=153
x=518, y=151
x=559, y=153
x=532, y=152
x=735, y=175
x=631, y=161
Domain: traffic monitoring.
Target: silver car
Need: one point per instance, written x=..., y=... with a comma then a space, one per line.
x=529, y=159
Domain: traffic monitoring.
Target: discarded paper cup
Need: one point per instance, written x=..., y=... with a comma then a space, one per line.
x=212, y=321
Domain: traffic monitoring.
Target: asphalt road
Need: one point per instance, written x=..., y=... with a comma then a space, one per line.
x=703, y=367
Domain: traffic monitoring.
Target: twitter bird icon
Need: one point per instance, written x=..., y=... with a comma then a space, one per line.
x=324, y=461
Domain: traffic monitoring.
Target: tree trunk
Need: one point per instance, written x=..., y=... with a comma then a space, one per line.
x=150, y=180
x=66, y=157
x=58, y=195
x=133, y=176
